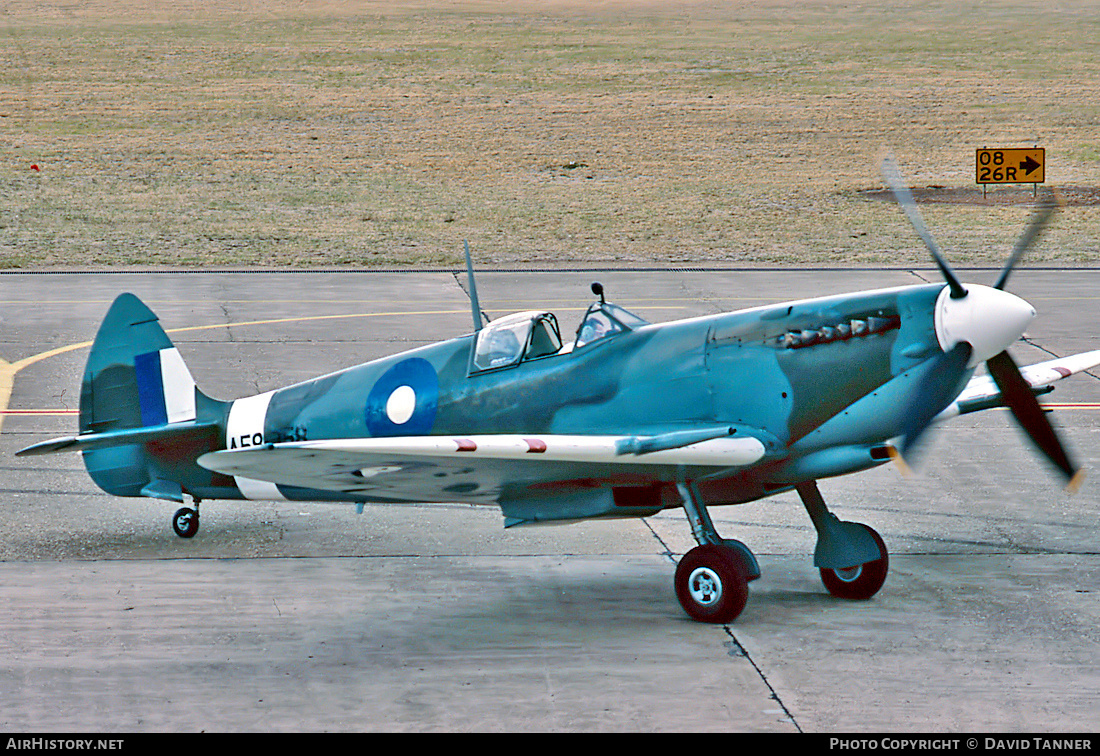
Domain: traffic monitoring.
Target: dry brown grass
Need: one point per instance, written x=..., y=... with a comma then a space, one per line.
x=382, y=134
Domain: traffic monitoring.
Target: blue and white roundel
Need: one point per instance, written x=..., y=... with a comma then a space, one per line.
x=404, y=400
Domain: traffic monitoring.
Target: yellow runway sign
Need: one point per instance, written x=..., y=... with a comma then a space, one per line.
x=1010, y=166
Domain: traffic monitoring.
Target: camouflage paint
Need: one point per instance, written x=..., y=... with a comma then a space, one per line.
x=812, y=380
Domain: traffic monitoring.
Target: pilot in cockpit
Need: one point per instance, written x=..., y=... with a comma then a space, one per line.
x=503, y=348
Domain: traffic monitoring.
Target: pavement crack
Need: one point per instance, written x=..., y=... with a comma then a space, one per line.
x=228, y=322
x=667, y=551
x=463, y=287
x=1038, y=346
x=736, y=649
x=461, y=280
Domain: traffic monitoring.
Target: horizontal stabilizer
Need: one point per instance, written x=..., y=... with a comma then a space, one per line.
x=122, y=437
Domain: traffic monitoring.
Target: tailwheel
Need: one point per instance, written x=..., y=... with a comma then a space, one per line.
x=711, y=583
x=186, y=522
x=862, y=581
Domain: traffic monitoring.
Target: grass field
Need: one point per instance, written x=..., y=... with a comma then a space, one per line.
x=382, y=134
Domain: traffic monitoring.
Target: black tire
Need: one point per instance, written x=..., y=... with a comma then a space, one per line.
x=863, y=581
x=711, y=585
x=185, y=522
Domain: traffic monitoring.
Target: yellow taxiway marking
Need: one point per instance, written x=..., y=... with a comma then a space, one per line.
x=8, y=370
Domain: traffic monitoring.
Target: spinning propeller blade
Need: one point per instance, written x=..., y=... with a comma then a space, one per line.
x=938, y=389
x=1031, y=417
x=909, y=206
x=1039, y=219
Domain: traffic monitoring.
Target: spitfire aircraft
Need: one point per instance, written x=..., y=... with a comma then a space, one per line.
x=626, y=419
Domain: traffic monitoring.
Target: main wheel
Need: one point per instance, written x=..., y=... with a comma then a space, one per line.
x=711, y=585
x=186, y=522
x=862, y=581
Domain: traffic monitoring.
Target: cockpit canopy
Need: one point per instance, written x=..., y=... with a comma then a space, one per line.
x=522, y=336
x=603, y=320
x=532, y=335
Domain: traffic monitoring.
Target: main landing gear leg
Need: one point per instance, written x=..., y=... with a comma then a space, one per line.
x=851, y=556
x=712, y=580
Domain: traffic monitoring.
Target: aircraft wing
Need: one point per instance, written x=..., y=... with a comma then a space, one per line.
x=982, y=393
x=488, y=469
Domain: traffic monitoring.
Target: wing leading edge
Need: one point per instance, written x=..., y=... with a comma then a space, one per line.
x=479, y=468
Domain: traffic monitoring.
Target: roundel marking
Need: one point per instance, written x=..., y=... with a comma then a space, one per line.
x=403, y=400
x=401, y=405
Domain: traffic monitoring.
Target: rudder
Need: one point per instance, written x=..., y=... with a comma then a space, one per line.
x=135, y=378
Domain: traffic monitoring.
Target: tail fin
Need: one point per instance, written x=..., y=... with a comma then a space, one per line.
x=135, y=376
x=143, y=421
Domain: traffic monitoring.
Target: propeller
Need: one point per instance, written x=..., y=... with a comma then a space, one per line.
x=1051, y=202
x=1031, y=417
x=905, y=198
x=980, y=324
x=939, y=389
